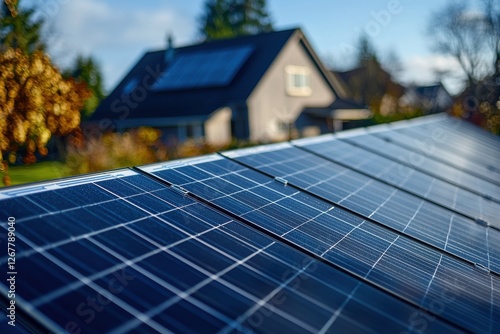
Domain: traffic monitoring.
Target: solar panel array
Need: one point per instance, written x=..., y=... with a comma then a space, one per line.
x=200, y=69
x=361, y=232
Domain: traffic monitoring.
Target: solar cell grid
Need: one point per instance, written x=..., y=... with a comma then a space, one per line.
x=168, y=264
x=401, y=265
x=426, y=165
x=454, y=134
x=395, y=208
x=470, y=131
x=456, y=141
x=410, y=180
x=315, y=236
x=434, y=148
x=204, y=68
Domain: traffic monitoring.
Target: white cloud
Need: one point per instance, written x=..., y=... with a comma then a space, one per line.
x=116, y=35
x=423, y=70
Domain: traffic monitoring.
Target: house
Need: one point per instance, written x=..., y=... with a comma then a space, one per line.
x=370, y=84
x=259, y=87
x=430, y=99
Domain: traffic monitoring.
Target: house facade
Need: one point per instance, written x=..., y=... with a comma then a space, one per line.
x=260, y=88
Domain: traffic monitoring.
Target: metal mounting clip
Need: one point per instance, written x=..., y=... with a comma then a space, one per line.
x=179, y=190
x=281, y=180
x=482, y=267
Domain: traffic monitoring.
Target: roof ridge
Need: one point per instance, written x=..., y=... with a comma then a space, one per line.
x=232, y=39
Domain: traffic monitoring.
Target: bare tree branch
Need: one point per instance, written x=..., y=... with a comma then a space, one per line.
x=460, y=32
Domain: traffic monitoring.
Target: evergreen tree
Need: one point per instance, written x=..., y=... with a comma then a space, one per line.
x=229, y=18
x=366, y=53
x=369, y=83
x=18, y=28
x=86, y=70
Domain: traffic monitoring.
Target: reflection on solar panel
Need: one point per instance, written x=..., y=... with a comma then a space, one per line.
x=312, y=236
x=421, y=163
x=204, y=69
x=442, y=153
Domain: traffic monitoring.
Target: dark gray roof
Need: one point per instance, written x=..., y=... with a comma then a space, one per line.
x=430, y=92
x=194, y=102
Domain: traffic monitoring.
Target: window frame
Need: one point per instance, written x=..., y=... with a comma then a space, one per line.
x=303, y=86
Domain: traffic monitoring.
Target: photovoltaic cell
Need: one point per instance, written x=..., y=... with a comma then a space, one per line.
x=418, y=183
x=204, y=68
x=434, y=147
x=383, y=257
x=133, y=255
x=421, y=163
x=321, y=235
x=388, y=205
x=471, y=133
x=457, y=137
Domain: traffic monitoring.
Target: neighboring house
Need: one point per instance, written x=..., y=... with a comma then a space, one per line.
x=372, y=85
x=430, y=99
x=260, y=87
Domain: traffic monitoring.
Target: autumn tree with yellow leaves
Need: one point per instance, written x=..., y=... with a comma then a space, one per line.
x=36, y=102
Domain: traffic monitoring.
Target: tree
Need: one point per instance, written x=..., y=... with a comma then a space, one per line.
x=492, y=17
x=392, y=64
x=473, y=39
x=458, y=32
x=370, y=84
x=35, y=104
x=365, y=52
x=229, y=18
x=86, y=70
x=18, y=28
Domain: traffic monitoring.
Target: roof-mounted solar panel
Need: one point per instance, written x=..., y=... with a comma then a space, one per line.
x=316, y=235
x=128, y=254
x=201, y=69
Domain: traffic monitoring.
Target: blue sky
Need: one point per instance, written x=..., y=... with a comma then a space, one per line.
x=117, y=33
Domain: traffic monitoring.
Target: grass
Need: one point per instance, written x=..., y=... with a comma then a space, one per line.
x=41, y=171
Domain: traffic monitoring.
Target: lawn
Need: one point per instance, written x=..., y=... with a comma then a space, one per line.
x=41, y=171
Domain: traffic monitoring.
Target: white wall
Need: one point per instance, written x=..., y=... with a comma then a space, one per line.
x=218, y=127
x=269, y=103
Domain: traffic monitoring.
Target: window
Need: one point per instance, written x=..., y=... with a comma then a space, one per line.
x=194, y=131
x=298, y=81
x=189, y=131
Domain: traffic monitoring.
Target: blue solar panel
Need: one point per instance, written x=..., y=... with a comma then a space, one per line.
x=421, y=163
x=133, y=255
x=211, y=68
x=388, y=205
x=320, y=235
x=458, y=137
x=360, y=246
x=421, y=184
x=434, y=149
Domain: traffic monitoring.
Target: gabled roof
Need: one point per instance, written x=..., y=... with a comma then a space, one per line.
x=431, y=97
x=353, y=75
x=430, y=92
x=194, y=102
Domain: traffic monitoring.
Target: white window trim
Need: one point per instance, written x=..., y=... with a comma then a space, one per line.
x=290, y=72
